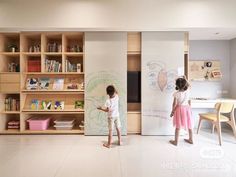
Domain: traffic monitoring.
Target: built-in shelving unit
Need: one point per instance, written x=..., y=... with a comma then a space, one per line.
x=134, y=64
x=51, y=55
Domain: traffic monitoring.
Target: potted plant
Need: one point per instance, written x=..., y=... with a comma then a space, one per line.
x=12, y=47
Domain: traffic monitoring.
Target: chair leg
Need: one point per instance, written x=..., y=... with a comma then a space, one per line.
x=232, y=125
x=199, y=125
x=213, y=128
x=218, y=126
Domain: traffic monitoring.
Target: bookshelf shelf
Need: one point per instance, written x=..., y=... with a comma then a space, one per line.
x=10, y=112
x=34, y=53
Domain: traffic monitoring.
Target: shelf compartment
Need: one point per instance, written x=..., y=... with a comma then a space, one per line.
x=9, y=41
x=52, y=63
x=74, y=64
x=52, y=42
x=9, y=63
x=31, y=42
x=10, y=83
x=31, y=63
x=5, y=118
x=73, y=42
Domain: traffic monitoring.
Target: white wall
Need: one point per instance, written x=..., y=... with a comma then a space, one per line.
x=212, y=50
x=233, y=68
x=117, y=14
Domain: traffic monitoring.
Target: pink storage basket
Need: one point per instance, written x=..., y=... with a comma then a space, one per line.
x=38, y=123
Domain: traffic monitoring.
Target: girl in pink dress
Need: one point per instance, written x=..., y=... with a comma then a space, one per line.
x=181, y=110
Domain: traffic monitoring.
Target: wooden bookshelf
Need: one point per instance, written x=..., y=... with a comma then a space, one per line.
x=134, y=64
x=39, y=46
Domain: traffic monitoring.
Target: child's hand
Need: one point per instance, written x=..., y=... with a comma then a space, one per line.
x=171, y=114
x=99, y=107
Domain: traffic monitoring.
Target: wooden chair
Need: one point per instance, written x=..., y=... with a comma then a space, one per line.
x=217, y=118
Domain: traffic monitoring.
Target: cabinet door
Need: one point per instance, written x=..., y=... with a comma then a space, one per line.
x=162, y=62
x=105, y=64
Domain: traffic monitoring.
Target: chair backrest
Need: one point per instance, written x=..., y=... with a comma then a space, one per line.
x=224, y=107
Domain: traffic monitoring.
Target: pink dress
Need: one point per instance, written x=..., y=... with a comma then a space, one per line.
x=183, y=114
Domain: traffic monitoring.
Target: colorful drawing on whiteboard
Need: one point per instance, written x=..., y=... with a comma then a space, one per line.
x=96, y=121
x=159, y=77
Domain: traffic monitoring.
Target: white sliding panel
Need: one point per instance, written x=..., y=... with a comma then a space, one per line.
x=105, y=64
x=162, y=61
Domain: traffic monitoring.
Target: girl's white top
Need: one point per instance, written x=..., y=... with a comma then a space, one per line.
x=182, y=97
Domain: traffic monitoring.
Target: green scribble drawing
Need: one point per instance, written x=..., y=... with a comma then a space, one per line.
x=96, y=83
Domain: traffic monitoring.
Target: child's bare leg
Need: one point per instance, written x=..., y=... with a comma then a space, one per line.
x=119, y=136
x=175, y=142
x=190, y=140
x=108, y=144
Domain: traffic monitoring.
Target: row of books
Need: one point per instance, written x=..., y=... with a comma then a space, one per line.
x=34, y=65
x=13, y=67
x=72, y=67
x=52, y=66
x=57, y=105
x=57, y=84
x=12, y=104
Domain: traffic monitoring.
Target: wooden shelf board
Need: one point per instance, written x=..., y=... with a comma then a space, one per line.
x=9, y=92
x=9, y=72
x=32, y=53
x=10, y=132
x=73, y=53
x=10, y=53
x=51, y=91
x=134, y=53
x=68, y=111
x=10, y=112
x=59, y=73
x=54, y=131
x=52, y=53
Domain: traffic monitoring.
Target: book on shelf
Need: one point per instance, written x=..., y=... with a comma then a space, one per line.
x=58, y=84
x=46, y=104
x=34, y=104
x=12, y=104
x=59, y=105
x=52, y=66
x=34, y=65
x=79, y=104
x=72, y=67
x=32, y=84
x=13, y=125
x=44, y=83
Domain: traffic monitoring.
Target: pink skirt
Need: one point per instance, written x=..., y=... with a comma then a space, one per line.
x=183, y=117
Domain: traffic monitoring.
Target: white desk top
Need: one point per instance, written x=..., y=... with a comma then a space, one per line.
x=210, y=103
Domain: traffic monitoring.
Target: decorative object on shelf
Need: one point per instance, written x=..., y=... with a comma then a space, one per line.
x=53, y=66
x=32, y=84
x=35, y=48
x=12, y=104
x=72, y=67
x=13, y=125
x=72, y=84
x=13, y=67
x=46, y=105
x=44, y=83
x=54, y=47
x=34, y=104
x=12, y=47
x=34, y=64
x=216, y=73
x=74, y=48
x=59, y=105
x=79, y=104
x=58, y=84
x=78, y=68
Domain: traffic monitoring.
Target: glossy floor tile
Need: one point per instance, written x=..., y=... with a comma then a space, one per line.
x=140, y=156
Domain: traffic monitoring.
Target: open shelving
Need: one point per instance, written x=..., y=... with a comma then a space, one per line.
x=34, y=48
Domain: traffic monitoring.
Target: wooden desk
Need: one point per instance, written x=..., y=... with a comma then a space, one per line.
x=210, y=103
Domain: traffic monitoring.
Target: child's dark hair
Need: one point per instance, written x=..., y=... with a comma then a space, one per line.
x=110, y=90
x=181, y=84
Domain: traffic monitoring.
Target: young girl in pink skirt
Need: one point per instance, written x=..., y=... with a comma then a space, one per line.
x=181, y=110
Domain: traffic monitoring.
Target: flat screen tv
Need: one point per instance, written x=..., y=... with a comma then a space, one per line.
x=134, y=86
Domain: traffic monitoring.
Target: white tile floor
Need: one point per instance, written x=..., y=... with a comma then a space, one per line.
x=140, y=156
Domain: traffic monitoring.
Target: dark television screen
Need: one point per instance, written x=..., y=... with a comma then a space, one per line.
x=134, y=86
